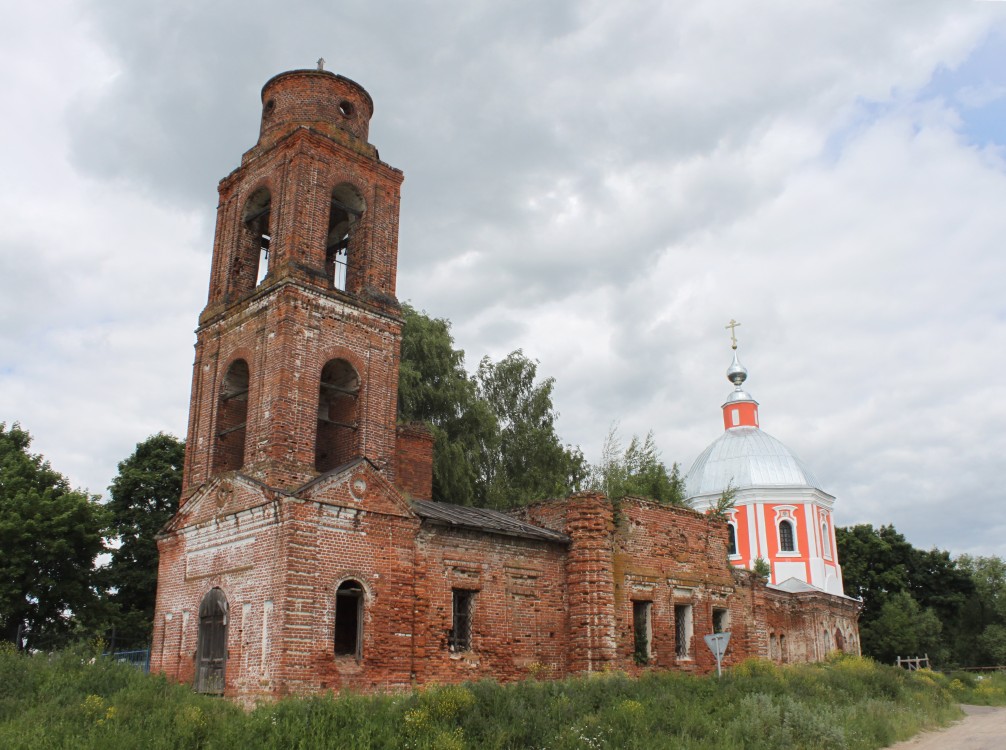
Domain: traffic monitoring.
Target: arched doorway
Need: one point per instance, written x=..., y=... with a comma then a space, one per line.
x=211, y=652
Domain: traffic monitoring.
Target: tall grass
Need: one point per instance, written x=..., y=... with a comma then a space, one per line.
x=76, y=699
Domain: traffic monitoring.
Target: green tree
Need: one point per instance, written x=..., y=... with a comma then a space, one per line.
x=982, y=623
x=523, y=460
x=495, y=431
x=880, y=564
x=144, y=495
x=637, y=471
x=50, y=536
x=902, y=628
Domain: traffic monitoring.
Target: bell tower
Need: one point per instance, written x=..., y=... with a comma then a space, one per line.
x=296, y=361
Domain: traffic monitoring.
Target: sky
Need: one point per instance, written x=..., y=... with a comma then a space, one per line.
x=602, y=185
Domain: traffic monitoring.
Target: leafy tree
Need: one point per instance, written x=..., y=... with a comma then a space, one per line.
x=50, y=536
x=637, y=471
x=495, y=431
x=902, y=628
x=524, y=459
x=880, y=565
x=981, y=631
x=144, y=495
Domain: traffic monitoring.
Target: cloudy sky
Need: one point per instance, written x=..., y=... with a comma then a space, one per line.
x=604, y=185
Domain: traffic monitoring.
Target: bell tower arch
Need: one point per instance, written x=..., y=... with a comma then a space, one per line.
x=296, y=362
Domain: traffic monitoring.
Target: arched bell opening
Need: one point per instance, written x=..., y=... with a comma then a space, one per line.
x=338, y=397
x=346, y=210
x=232, y=418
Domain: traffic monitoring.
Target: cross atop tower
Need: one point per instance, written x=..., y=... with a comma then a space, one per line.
x=732, y=325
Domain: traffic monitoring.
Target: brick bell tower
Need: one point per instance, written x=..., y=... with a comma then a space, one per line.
x=296, y=366
x=297, y=477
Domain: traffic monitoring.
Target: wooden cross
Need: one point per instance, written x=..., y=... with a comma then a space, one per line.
x=732, y=325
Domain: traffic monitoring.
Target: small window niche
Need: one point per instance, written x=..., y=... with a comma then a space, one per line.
x=642, y=632
x=349, y=619
x=459, y=639
x=721, y=620
x=683, y=630
x=346, y=210
x=232, y=418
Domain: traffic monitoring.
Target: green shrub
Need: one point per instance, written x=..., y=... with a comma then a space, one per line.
x=78, y=699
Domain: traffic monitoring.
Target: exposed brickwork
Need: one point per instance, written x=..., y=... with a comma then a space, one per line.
x=414, y=461
x=298, y=481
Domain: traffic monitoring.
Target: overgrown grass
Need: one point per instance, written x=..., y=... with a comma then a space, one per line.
x=76, y=700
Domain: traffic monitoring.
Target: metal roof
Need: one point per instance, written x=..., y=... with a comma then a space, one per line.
x=745, y=457
x=482, y=519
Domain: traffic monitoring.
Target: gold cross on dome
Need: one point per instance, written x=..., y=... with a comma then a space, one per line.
x=732, y=325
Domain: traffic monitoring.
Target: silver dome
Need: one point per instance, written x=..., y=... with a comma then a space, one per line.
x=746, y=457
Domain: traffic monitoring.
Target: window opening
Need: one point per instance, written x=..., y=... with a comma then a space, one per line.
x=682, y=630
x=462, y=606
x=338, y=393
x=232, y=418
x=211, y=650
x=731, y=539
x=735, y=417
x=253, y=265
x=642, y=631
x=782, y=648
x=825, y=539
x=346, y=209
x=786, y=540
x=349, y=619
x=839, y=640
x=721, y=620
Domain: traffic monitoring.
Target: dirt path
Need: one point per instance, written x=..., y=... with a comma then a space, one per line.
x=984, y=728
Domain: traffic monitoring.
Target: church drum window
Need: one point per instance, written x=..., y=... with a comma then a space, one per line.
x=211, y=649
x=346, y=209
x=337, y=409
x=462, y=608
x=232, y=417
x=732, y=540
x=349, y=619
x=642, y=631
x=787, y=542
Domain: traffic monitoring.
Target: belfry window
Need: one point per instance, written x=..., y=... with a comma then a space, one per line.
x=787, y=541
x=232, y=416
x=732, y=539
x=346, y=209
x=252, y=262
x=349, y=619
x=337, y=408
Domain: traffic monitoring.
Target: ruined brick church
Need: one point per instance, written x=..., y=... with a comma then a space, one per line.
x=307, y=553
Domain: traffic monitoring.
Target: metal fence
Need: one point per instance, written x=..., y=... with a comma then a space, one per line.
x=139, y=659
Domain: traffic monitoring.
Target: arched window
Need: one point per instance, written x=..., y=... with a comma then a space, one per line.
x=786, y=537
x=731, y=539
x=347, y=208
x=826, y=538
x=349, y=619
x=251, y=263
x=839, y=640
x=211, y=650
x=337, y=404
x=232, y=416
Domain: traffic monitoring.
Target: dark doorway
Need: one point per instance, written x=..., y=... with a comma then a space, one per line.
x=211, y=653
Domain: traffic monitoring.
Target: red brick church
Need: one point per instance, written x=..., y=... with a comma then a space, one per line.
x=307, y=553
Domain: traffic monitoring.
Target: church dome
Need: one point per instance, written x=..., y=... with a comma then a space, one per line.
x=745, y=457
